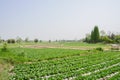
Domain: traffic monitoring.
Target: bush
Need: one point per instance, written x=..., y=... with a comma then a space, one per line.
x=10, y=41
x=49, y=41
x=114, y=48
x=4, y=48
x=21, y=54
x=99, y=49
x=35, y=40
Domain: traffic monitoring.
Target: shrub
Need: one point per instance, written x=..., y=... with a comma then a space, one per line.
x=99, y=49
x=49, y=41
x=35, y=40
x=4, y=48
x=10, y=41
x=40, y=41
x=114, y=48
x=21, y=54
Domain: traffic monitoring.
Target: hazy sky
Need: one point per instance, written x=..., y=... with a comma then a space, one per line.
x=57, y=19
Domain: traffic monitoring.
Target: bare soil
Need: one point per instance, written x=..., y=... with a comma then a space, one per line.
x=61, y=47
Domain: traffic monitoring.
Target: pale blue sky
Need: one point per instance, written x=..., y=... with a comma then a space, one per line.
x=57, y=19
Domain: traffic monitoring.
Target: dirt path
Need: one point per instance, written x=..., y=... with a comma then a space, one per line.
x=61, y=47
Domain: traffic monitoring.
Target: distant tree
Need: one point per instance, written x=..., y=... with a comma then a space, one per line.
x=49, y=41
x=40, y=41
x=117, y=39
x=35, y=40
x=26, y=39
x=0, y=40
x=56, y=40
x=112, y=36
x=102, y=33
x=106, y=39
x=95, y=35
x=88, y=38
x=4, y=48
x=18, y=40
x=8, y=41
x=11, y=41
x=92, y=36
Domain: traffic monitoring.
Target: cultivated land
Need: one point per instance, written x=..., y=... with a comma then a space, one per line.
x=59, y=61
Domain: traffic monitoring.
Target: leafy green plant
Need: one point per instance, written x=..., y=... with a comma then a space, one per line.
x=99, y=49
x=21, y=54
x=68, y=67
x=4, y=48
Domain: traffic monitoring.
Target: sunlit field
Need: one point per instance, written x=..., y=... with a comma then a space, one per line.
x=59, y=61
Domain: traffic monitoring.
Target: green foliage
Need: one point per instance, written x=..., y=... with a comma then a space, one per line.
x=49, y=41
x=114, y=48
x=18, y=40
x=35, y=40
x=111, y=38
x=21, y=54
x=106, y=39
x=11, y=41
x=26, y=39
x=0, y=40
x=99, y=49
x=96, y=50
x=40, y=41
x=92, y=36
x=96, y=65
x=88, y=38
x=18, y=55
x=4, y=48
x=95, y=35
x=117, y=39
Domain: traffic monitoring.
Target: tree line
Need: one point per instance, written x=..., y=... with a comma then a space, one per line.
x=19, y=40
x=97, y=36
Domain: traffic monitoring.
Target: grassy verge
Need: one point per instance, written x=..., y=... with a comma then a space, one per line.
x=18, y=55
x=4, y=70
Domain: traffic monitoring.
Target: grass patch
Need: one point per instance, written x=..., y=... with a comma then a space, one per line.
x=4, y=70
x=19, y=55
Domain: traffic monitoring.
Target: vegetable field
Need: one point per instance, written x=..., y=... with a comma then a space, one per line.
x=93, y=66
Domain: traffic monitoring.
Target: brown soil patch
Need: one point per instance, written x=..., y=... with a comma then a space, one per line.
x=61, y=47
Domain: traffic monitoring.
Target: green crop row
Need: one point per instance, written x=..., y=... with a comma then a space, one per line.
x=69, y=67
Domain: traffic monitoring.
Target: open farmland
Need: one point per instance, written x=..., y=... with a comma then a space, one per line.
x=77, y=65
x=60, y=63
x=59, y=40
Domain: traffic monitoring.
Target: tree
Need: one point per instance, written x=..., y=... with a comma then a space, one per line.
x=40, y=41
x=95, y=36
x=35, y=40
x=11, y=41
x=106, y=39
x=18, y=40
x=102, y=33
x=117, y=39
x=92, y=36
x=26, y=39
x=88, y=38
x=4, y=48
x=49, y=41
x=0, y=40
x=112, y=36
